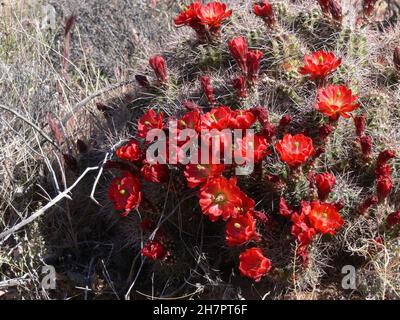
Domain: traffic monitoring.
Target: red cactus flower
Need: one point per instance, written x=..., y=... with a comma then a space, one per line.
x=320, y=64
x=125, y=193
x=157, y=63
x=301, y=228
x=156, y=173
x=154, y=250
x=335, y=101
x=295, y=150
x=130, y=152
x=240, y=230
x=239, y=50
x=384, y=185
x=396, y=58
x=208, y=89
x=242, y=119
x=213, y=14
x=393, y=219
x=190, y=120
x=325, y=218
x=359, y=123
x=190, y=17
x=239, y=84
x=253, y=64
x=367, y=204
x=220, y=198
x=325, y=183
x=284, y=208
x=259, y=146
x=150, y=120
x=197, y=174
x=253, y=264
x=218, y=118
x=265, y=11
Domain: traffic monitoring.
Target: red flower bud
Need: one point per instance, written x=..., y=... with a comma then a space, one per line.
x=157, y=63
x=285, y=121
x=384, y=157
x=325, y=183
x=359, y=122
x=325, y=131
x=396, y=58
x=253, y=64
x=240, y=86
x=384, y=185
x=393, y=219
x=335, y=9
x=367, y=204
x=190, y=105
x=239, y=50
x=265, y=11
x=208, y=89
x=366, y=146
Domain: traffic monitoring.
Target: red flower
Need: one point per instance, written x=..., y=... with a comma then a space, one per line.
x=320, y=64
x=154, y=250
x=130, y=152
x=190, y=120
x=218, y=118
x=265, y=11
x=150, y=120
x=335, y=101
x=242, y=119
x=324, y=182
x=393, y=219
x=325, y=218
x=197, y=174
x=295, y=150
x=157, y=63
x=157, y=173
x=125, y=193
x=240, y=86
x=359, y=123
x=190, y=17
x=213, y=14
x=220, y=197
x=253, y=63
x=259, y=146
x=384, y=185
x=208, y=89
x=301, y=228
x=240, y=230
x=239, y=50
x=253, y=264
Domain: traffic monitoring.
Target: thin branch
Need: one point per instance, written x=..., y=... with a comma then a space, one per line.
x=34, y=126
x=41, y=211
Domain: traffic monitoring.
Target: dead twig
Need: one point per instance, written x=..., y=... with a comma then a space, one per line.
x=40, y=212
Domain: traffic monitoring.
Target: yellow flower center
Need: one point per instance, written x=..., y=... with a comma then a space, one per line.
x=321, y=59
x=122, y=192
x=237, y=225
